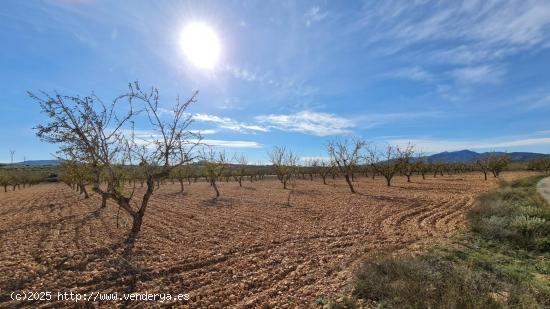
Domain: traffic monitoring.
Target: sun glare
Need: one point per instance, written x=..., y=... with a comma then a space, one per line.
x=201, y=45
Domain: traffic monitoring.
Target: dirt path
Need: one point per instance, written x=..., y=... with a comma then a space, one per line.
x=242, y=250
x=543, y=187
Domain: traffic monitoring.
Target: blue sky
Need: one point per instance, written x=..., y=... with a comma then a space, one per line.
x=445, y=75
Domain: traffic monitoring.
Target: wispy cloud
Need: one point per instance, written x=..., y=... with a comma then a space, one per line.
x=479, y=74
x=240, y=73
x=145, y=137
x=537, y=99
x=320, y=124
x=485, y=30
x=378, y=119
x=415, y=73
x=229, y=124
x=311, y=122
x=281, y=85
x=314, y=15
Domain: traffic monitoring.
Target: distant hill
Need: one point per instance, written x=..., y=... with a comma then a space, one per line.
x=463, y=156
x=38, y=163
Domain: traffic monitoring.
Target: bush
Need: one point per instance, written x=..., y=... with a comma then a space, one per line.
x=515, y=213
x=422, y=282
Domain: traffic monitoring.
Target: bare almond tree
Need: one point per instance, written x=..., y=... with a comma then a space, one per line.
x=497, y=163
x=483, y=166
x=541, y=164
x=411, y=162
x=390, y=160
x=181, y=174
x=284, y=163
x=102, y=135
x=241, y=169
x=324, y=168
x=215, y=165
x=423, y=166
x=78, y=174
x=346, y=155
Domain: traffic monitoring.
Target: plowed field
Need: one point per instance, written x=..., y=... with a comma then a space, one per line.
x=245, y=249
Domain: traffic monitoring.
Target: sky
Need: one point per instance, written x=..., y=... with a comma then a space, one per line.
x=443, y=75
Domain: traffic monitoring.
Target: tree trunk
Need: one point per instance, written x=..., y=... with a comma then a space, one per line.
x=288, y=198
x=83, y=190
x=241, y=181
x=408, y=178
x=388, y=181
x=104, y=197
x=213, y=183
x=325, y=179
x=349, y=183
x=136, y=227
x=138, y=216
x=485, y=174
x=181, y=185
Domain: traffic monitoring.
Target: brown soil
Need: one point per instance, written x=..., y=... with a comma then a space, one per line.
x=245, y=249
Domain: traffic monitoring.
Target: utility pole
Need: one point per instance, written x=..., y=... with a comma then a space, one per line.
x=12, y=152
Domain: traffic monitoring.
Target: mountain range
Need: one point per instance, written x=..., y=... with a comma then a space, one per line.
x=461, y=156
x=465, y=156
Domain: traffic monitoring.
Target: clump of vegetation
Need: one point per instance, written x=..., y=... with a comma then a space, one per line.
x=504, y=262
x=17, y=178
x=515, y=213
x=422, y=282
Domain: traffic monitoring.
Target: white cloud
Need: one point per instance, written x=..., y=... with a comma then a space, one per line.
x=230, y=144
x=204, y=132
x=320, y=124
x=315, y=158
x=229, y=124
x=314, y=15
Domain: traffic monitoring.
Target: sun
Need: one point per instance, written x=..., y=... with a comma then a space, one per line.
x=201, y=45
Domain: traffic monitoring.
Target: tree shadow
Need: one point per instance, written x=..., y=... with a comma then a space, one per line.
x=217, y=202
